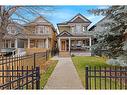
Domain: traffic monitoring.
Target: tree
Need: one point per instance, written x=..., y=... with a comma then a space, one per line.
x=110, y=32
x=17, y=13
x=5, y=14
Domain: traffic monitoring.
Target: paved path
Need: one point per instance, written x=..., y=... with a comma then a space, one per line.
x=64, y=76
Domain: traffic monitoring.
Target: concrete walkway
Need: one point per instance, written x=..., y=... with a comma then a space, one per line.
x=64, y=76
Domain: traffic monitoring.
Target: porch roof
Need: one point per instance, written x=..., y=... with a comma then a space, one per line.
x=67, y=34
x=25, y=36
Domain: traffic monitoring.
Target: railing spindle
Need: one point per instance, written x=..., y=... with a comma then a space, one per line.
x=100, y=77
x=105, y=78
x=120, y=78
x=115, y=78
x=95, y=76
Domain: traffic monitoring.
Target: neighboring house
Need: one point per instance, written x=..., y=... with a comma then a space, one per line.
x=13, y=38
x=74, y=35
x=39, y=33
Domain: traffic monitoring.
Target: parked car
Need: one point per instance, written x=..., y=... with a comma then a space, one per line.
x=8, y=51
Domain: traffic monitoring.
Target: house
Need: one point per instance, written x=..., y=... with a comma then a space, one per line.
x=39, y=34
x=74, y=36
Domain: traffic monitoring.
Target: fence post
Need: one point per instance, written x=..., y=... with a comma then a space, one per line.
x=87, y=78
x=37, y=78
x=34, y=60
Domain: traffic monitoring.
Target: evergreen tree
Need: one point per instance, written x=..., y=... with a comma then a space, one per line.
x=110, y=31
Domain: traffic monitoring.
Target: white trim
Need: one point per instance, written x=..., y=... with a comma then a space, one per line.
x=69, y=44
x=63, y=25
x=90, y=43
x=74, y=37
x=16, y=43
x=80, y=17
x=59, y=44
x=64, y=33
x=28, y=42
x=47, y=42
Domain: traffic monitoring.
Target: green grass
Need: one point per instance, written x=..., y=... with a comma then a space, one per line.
x=46, y=74
x=81, y=62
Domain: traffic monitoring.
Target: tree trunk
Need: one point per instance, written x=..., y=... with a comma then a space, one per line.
x=1, y=38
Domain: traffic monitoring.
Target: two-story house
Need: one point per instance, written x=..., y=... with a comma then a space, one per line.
x=39, y=34
x=74, y=35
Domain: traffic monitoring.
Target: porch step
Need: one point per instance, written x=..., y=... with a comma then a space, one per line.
x=64, y=54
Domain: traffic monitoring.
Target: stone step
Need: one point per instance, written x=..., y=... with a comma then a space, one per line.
x=64, y=54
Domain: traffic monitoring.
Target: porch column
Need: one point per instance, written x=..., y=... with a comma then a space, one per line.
x=47, y=42
x=90, y=43
x=28, y=42
x=10, y=43
x=59, y=44
x=69, y=44
x=16, y=43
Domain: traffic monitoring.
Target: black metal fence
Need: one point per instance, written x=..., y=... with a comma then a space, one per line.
x=13, y=70
x=27, y=60
x=20, y=78
x=106, y=77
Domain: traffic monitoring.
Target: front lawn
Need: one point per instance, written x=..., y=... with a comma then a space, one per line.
x=81, y=62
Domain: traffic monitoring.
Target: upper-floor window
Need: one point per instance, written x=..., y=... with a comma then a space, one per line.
x=12, y=30
x=83, y=28
x=42, y=30
x=73, y=29
x=39, y=29
x=78, y=27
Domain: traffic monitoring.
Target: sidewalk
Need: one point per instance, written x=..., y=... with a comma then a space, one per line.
x=64, y=76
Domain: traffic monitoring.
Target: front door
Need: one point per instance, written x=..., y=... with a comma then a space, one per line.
x=63, y=45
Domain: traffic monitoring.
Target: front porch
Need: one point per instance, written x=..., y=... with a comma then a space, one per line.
x=26, y=43
x=25, y=46
x=74, y=44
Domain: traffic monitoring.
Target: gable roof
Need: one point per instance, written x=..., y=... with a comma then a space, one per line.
x=39, y=20
x=64, y=34
x=81, y=17
x=76, y=19
x=94, y=26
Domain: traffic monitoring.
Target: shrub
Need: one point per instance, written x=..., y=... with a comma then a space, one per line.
x=117, y=62
x=72, y=55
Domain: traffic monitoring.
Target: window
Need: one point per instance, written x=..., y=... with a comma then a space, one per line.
x=72, y=29
x=39, y=29
x=84, y=28
x=13, y=44
x=78, y=27
x=12, y=30
x=47, y=29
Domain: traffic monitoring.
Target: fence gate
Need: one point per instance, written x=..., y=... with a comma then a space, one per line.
x=106, y=77
x=24, y=78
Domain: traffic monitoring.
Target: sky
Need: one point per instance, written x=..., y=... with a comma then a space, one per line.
x=59, y=14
